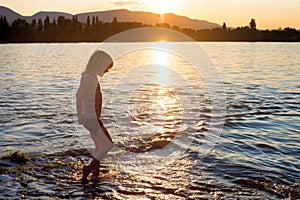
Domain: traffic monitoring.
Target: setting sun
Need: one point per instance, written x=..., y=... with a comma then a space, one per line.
x=161, y=6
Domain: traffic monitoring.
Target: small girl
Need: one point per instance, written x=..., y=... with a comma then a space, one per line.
x=89, y=105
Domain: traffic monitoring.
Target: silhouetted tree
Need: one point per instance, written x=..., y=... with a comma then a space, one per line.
x=114, y=21
x=54, y=23
x=4, y=27
x=39, y=27
x=33, y=24
x=176, y=28
x=46, y=23
x=88, y=21
x=93, y=21
x=60, y=22
x=20, y=25
x=224, y=27
x=74, y=18
x=163, y=25
x=252, y=24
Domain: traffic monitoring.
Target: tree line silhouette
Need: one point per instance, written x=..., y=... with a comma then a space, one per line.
x=95, y=30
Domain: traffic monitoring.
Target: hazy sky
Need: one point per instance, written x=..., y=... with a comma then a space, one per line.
x=270, y=14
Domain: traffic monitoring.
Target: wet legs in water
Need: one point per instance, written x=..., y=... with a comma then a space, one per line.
x=92, y=167
x=103, y=144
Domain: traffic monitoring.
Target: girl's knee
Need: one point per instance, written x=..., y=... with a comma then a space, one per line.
x=109, y=146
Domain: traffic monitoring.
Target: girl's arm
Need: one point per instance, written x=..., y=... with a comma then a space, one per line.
x=79, y=98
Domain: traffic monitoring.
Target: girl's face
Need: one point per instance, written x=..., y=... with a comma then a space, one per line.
x=107, y=69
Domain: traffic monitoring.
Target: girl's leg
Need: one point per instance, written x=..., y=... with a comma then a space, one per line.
x=104, y=130
x=103, y=143
x=92, y=125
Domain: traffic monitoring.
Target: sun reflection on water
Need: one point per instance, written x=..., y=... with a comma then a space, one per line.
x=161, y=67
x=155, y=106
x=151, y=115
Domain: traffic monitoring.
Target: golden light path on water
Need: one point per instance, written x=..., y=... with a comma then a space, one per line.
x=154, y=103
x=162, y=73
x=165, y=100
x=151, y=117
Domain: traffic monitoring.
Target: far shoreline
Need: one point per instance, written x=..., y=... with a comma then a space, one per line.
x=204, y=41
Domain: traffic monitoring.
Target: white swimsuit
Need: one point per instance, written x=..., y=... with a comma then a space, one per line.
x=88, y=102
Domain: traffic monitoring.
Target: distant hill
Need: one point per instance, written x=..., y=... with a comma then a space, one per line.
x=121, y=15
x=10, y=14
x=149, y=18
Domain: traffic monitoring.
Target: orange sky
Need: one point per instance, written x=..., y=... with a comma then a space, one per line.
x=268, y=14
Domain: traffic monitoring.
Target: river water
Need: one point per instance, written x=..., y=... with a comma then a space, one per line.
x=222, y=122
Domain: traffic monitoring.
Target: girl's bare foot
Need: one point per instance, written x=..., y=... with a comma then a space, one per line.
x=86, y=170
x=85, y=174
x=96, y=171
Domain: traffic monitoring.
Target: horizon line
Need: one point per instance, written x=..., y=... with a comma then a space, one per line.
x=95, y=11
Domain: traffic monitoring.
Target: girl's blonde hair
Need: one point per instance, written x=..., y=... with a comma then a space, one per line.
x=99, y=63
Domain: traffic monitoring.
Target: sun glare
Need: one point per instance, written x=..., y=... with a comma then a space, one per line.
x=161, y=6
x=161, y=57
x=161, y=67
